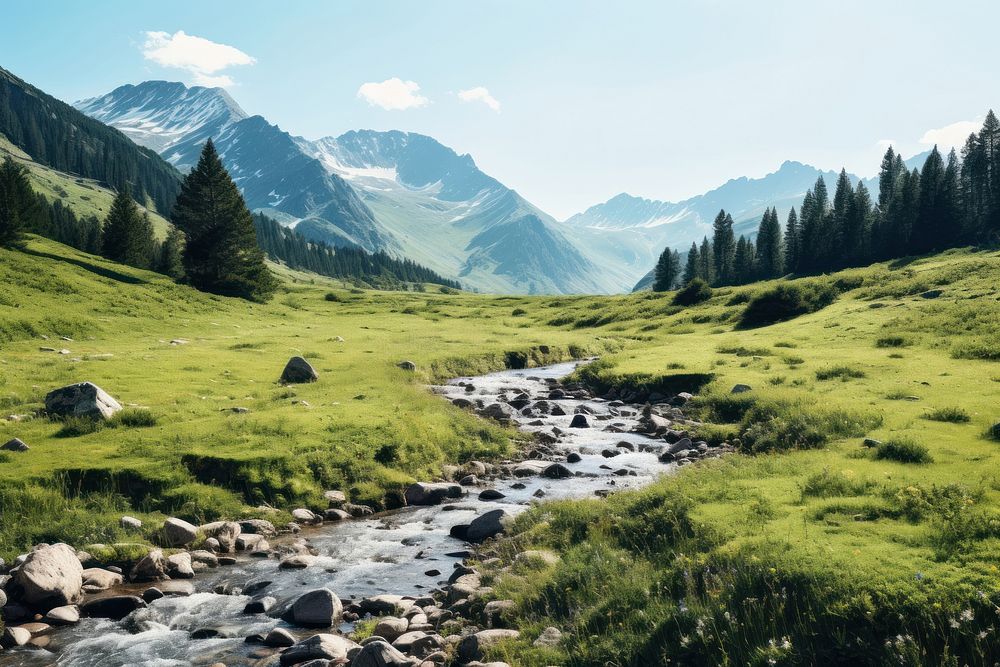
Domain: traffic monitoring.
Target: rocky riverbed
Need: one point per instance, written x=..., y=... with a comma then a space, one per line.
x=257, y=594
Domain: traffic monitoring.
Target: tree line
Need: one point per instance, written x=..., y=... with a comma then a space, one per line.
x=951, y=201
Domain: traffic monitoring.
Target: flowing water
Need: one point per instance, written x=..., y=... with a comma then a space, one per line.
x=388, y=553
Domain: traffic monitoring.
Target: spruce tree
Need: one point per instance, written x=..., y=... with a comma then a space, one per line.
x=667, y=271
x=692, y=267
x=791, y=263
x=706, y=270
x=18, y=204
x=769, y=246
x=855, y=245
x=221, y=255
x=723, y=247
x=926, y=234
x=832, y=233
x=171, y=256
x=127, y=235
x=743, y=262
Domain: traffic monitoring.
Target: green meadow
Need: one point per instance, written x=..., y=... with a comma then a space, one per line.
x=809, y=546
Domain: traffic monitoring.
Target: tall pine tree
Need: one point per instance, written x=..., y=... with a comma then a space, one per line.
x=127, y=234
x=792, y=242
x=221, y=255
x=723, y=247
x=706, y=270
x=18, y=203
x=769, y=260
x=692, y=268
x=668, y=269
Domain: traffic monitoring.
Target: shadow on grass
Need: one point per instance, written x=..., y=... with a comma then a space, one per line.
x=88, y=266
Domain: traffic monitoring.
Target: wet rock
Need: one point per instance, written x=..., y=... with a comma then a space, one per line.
x=488, y=525
x=66, y=615
x=85, y=399
x=391, y=628
x=115, y=607
x=179, y=566
x=178, y=533
x=610, y=453
x=550, y=636
x=498, y=411
x=472, y=647
x=181, y=589
x=14, y=636
x=318, y=647
x=279, y=637
x=260, y=605
x=379, y=653
x=150, y=568
x=358, y=510
x=459, y=531
x=463, y=403
x=303, y=515
x=15, y=445
x=335, y=498
x=320, y=608
x=384, y=605
x=490, y=494
x=469, y=480
x=96, y=579
x=579, y=421
x=431, y=493
x=225, y=532
x=249, y=541
x=297, y=562
x=298, y=371
x=50, y=576
x=418, y=642
x=258, y=527
x=557, y=471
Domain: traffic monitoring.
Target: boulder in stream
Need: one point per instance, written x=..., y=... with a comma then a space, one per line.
x=50, y=576
x=318, y=647
x=320, y=608
x=488, y=525
x=431, y=493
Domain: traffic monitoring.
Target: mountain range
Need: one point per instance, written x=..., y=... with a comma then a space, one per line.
x=411, y=196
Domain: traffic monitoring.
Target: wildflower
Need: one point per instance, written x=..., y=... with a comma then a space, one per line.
x=728, y=616
x=786, y=643
x=966, y=615
x=685, y=640
x=953, y=622
x=919, y=576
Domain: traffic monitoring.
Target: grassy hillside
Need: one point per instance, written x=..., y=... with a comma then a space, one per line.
x=839, y=547
x=808, y=548
x=85, y=197
x=366, y=426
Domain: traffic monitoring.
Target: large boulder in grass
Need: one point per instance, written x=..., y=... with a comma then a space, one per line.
x=318, y=647
x=472, y=647
x=85, y=399
x=320, y=608
x=298, y=371
x=488, y=525
x=51, y=576
x=431, y=493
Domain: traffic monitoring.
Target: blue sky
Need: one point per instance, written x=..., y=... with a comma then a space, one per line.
x=568, y=102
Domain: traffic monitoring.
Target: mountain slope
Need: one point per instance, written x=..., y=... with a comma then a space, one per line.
x=448, y=214
x=56, y=135
x=273, y=173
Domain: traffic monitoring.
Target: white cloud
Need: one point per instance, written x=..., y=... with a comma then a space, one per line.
x=884, y=144
x=479, y=94
x=951, y=135
x=393, y=94
x=202, y=57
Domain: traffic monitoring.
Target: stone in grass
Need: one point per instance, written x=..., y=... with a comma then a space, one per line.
x=85, y=399
x=298, y=371
x=740, y=389
x=15, y=445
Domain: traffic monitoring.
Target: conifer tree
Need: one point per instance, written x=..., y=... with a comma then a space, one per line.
x=221, y=254
x=791, y=263
x=769, y=262
x=706, y=270
x=855, y=243
x=930, y=214
x=692, y=268
x=171, y=255
x=18, y=204
x=832, y=233
x=127, y=235
x=723, y=247
x=743, y=262
x=668, y=269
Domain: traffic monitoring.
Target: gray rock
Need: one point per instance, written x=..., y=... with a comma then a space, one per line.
x=391, y=628
x=335, y=498
x=66, y=615
x=249, y=542
x=179, y=566
x=260, y=605
x=85, y=399
x=431, y=493
x=557, y=471
x=488, y=525
x=550, y=636
x=496, y=613
x=740, y=389
x=258, y=527
x=380, y=654
x=306, y=516
x=491, y=494
x=298, y=371
x=152, y=567
x=297, y=562
x=98, y=579
x=225, y=532
x=14, y=636
x=318, y=647
x=407, y=365
x=472, y=647
x=50, y=576
x=579, y=421
x=204, y=557
x=320, y=608
x=279, y=637
x=336, y=514
x=179, y=533
x=115, y=607
x=130, y=523
x=15, y=445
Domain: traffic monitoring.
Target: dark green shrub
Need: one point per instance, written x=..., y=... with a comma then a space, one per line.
x=786, y=301
x=132, y=418
x=953, y=415
x=839, y=372
x=892, y=341
x=518, y=312
x=903, y=450
x=333, y=296
x=694, y=292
